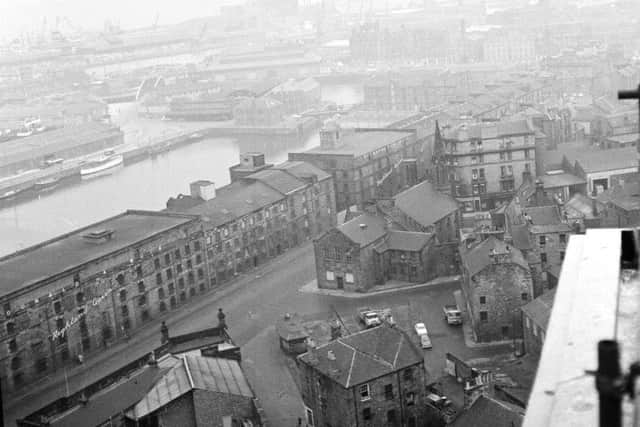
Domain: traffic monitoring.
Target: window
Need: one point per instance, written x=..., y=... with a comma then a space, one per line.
x=505, y=331
x=156, y=263
x=388, y=392
x=561, y=255
x=190, y=278
x=187, y=248
x=167, y=259
x=483, y=300
x=158, y=278
x=411, y=398
x=183, y=296
x=142, y=300
x=179, y=267
x=526, y=154
x=364, y=392
x=527, y=322
x=124, y=310
x=543, y=257
x=123, y=295
x=176, y=253
x=543, y=240
x=189, y=264
x=348, y=277
x=366, y=414
x=163, y=306
x=57, y=307
x=161, y=293
x=181, y=283
x=527, y=168
x=407, y=375
x=510, y=168
x=139, y=271
x=198, y=259
x=503, y=171
x=80, y=297
x=563, y=238
x=524, y=296
x=309, y=414
x=13, y=345
x=196, y=245
x=192, y=292
x=171, y=288
x=330, y=276
x=484, y=316
x=391, y=416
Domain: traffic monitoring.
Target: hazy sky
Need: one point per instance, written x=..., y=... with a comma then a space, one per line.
x=18, y=16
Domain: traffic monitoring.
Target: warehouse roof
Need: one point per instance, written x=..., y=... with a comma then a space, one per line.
x=359, y=143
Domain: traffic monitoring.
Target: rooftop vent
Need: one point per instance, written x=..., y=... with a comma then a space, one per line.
x=98, y=236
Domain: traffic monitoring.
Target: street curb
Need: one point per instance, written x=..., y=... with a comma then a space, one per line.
x=312, y=288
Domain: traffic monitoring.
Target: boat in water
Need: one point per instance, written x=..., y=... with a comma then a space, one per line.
x=46, y=184
x=9, y=195
x=102, y=166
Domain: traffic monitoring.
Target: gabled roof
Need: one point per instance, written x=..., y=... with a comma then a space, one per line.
x=363, y=356
x=193, y=373
x=424, y=204
x=477, y=257
x=626, y=196
x=580, y=204
x=490, y=412
x=364, y=229
x=539, y=309
x=279, y=180
x=405, y=241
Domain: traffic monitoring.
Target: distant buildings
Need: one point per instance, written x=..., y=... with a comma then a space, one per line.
x=297, y=96
x=496, y=283
x=364, y=252
x=509, y=47
x=482, y=164
x=619, y=206
x=375, y=377
x=263, y=111
x=358, y=159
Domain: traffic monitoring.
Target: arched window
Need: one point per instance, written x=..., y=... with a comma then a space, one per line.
x=120, y=279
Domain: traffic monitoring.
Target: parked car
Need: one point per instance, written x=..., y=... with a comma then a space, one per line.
x=452, y=314
x=369, y=317
x=421, y=330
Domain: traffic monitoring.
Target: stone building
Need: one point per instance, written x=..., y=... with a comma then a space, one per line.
x=482, y=164
x=359, y=158
x=363, y=252
x=619, y=206
x=375, y=377
x=81, y=292
x=496, y=283
x=263, y=111
x=260, y=215
x=297, y=96
x=535, y=317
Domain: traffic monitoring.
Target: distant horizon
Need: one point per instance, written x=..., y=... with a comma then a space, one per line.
x=22, y=17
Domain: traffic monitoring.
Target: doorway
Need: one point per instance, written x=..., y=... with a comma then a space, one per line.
x=340, y=282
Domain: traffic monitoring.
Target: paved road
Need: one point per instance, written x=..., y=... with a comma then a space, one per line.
x=253, y=304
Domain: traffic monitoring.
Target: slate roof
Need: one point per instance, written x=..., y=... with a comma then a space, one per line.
x=375, y=228
x=424, y=204
x=365, y=355
x=607, y=160
x=520, y=236
x=476, y=258
x=405, y=241
x=359, y=143
x=539, y=310
x=71, y=250
x=302, y=170
x=279, y=180
x=545, y=219
x=581, y=204
x=193, y=373
x=626, y=196
x=490, y=412
x=492, y=130
x=236, y=200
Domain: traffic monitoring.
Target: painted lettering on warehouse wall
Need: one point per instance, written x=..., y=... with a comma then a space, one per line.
x=75, y=319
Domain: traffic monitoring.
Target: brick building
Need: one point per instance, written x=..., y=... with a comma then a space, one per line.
x=482, y=164
x=259, y=215
x=358, y=158
x=375, y=377
x=535, y=317
x=364, y=252
x=83, y=291
x=496, y=283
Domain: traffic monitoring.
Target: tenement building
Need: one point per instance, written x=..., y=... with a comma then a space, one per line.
x=78, y=293
x=496, y=283
x=482, y=164
x=371, y=378
x=358, y=159
x=260, y=215
x=364, y=252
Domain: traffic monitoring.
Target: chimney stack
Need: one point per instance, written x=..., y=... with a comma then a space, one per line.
x=539, y=193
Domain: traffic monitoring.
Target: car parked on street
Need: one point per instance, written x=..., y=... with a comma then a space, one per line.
x=421, y=330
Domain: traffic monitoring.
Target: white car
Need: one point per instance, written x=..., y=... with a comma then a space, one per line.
x=421, y=330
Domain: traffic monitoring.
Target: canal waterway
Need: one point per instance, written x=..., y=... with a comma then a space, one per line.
x=144, y=185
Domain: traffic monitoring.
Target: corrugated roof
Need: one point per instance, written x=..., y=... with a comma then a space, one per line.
x=363, y=356
x=194, y=372
x=539, y=310
x=476, y=258
x=279, y=180
x=424, y=204
x=373, y=230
